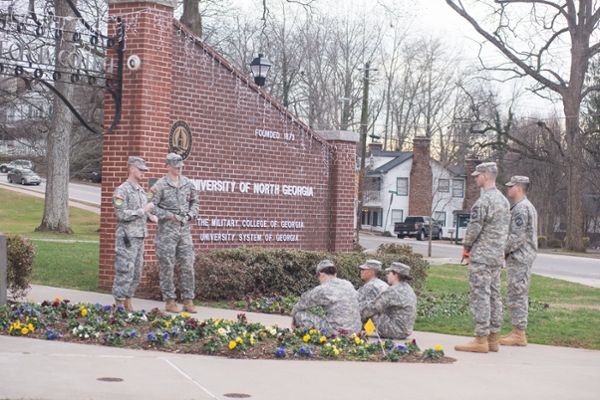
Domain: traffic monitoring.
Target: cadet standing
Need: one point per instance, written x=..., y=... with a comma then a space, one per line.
x=394, y=311
x=520, y=251
x=176, y=203
x=373, y=285
x=484, y=245
x=338, y=299
x=131, y=207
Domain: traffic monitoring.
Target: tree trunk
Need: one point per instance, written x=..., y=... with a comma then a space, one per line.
x=574, y=174
x=191, y=16
x=56, y=206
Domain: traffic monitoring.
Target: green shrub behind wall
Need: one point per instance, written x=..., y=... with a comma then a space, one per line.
x=244, y=273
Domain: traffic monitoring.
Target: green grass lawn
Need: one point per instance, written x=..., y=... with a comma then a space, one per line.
x=21, y=214
x=572, y=319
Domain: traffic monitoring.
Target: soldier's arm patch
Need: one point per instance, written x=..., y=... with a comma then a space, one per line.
x=152, y=192
x=474, y=214
x=118, y=200
x=519, y=221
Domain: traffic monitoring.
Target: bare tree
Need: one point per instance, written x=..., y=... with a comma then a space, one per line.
x=56, y=206
x=532, y=51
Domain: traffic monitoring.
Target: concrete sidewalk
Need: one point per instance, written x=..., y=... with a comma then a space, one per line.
x=36, y=369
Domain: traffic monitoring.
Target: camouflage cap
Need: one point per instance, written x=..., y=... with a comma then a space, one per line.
x=174, y=160
x=371, y=264
x=401, y=269
x=324, y=264
x=515, y=180
x=486, y=167
x=138, y=162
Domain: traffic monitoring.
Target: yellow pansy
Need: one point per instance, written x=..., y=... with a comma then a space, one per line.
x=221, y=331
x=244, y=334
x=83, y=312
x=24, y=331
x=306, y=338
x=251, y=341
x=30, y=326
x=322, y=339
x=438, y=347
x=336, y=351
x=232, y=345
x=185, y=315
x=312, y=332
x=357, y=340
x=238, y=339
x=168, y=323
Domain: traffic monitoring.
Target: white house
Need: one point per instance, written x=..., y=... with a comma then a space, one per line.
x=389, y=197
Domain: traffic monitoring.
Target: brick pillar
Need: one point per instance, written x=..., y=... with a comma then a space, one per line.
x=421, y=179
x=145, y=115
x=472, y=192
x=343, y=188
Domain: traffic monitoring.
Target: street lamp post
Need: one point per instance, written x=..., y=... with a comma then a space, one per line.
x=260, y=67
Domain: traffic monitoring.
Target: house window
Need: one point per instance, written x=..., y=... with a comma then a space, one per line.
x=443, y=185
x=440, y=217
x=458, y=188
x=397, y=216
x=366, y=218
x=402, y=186
x=376, y=219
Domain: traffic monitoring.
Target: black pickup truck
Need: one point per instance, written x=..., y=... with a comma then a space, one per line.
x=417, y=227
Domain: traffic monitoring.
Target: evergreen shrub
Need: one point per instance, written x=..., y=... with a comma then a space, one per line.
x=249, y=273
x=20, y=254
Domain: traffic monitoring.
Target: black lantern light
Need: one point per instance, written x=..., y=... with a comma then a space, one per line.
x=260, y=68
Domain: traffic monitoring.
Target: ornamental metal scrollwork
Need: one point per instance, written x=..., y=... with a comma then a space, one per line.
x=28, y=44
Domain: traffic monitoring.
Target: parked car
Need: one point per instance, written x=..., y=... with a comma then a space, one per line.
x=4, y=168
x=418, y=226
x=23, y=176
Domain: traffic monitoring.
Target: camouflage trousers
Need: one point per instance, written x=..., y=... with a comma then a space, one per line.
x=389, y=328
x=485, y=299
x=129, y=262
x=518, y=276
x=173, y=244
x=310, y=320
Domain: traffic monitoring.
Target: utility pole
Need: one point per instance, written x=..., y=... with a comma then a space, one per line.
x=364, y=118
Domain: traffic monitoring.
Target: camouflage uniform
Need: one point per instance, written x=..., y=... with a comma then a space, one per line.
x=128, y=201
x=521, y=250
x=370, y=290
x=340, y=305
x=173, y=240
x=485, y=237
x=394, y=311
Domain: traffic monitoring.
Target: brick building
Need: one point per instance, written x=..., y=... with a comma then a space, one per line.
x=264, y=178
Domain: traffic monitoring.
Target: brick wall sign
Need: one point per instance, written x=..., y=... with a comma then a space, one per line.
x=263, y=177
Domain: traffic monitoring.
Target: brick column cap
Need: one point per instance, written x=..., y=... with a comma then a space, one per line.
x=343, y=136
x=167, y=3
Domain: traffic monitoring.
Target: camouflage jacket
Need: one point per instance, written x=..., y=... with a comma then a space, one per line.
x=370, y=290
x=128, y=201
x=399, y=303
x=339, y=301
x=521, y=245
x=488, y=228
x=170, y=200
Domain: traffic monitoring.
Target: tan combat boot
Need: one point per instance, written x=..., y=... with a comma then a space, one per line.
x=188, y=306
x=515, y=338
x=171, y=306
x=493, y=341
x=477, y=345
x=128, y=305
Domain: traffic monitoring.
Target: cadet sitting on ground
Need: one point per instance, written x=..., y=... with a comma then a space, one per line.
x=373, y=285
x=394, y=311
x=338, y=299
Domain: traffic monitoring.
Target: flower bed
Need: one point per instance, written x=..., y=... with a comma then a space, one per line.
x=155, y=330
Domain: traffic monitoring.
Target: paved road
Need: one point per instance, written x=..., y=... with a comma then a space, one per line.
x=570, y=268
x=77, y=191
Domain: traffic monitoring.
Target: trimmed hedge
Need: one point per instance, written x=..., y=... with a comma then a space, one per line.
x=249, y=273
